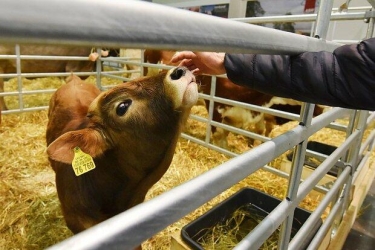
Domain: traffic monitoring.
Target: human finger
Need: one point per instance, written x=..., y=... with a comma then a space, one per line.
x=178, y=56
x=195, y=71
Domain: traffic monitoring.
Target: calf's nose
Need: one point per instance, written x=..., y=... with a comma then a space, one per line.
x=178, y=73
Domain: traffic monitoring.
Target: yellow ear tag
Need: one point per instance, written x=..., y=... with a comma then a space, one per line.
x=82, y=162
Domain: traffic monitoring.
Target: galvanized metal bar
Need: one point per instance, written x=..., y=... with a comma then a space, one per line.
x=268, y=225
x=296, y=242
x=294, y=181
x=339, y=127
x=354, y=151
x=99, y=69
x=210, y=109
x=371, y=117
x=15, y=111
x=266, y=110
x=47, y=58
x=110, y=75
x=142, y=61
x=139, y=24
x=240, y=131
x=325, y=226
x=19, y=79
x=192, y=3
x=322, y=22
x=302, y=18
x=370, y=27
x=347, y=191
x=128, y=229
x=28, y=92
x=298, y=162
x=35, y=75
x=323, y=18
x=209, y=145
x=360, y=166
x=273, y=170
x=367, y=144
x=237, y=8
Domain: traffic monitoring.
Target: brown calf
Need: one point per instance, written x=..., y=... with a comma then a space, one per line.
x=130, y=132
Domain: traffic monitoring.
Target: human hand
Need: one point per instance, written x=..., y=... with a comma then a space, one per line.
x=210, y=63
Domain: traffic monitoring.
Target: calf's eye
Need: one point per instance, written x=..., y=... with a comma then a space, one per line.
x=122, y=108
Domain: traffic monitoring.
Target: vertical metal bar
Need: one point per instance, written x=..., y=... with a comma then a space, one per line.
x=370, y=27
x=347, y=191
x=298, y=161
x=350, y=129
x=352, y=159
x=99, y=69
x=142, y=67
x=19, y=78
x=353, y=124
x=237, y=8
x=297, y=241
x=325, y=227
x=322, y=23
x=210, y=109
x=354, y=150
x=323, y=18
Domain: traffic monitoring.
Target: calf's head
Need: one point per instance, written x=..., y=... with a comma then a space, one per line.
x=139, y=121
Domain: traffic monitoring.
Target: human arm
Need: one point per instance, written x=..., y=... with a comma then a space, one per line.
x=344, y=78
x=209, y=63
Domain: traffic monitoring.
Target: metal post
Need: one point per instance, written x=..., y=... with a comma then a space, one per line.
x=99, y=69
x=19, y=78
x=322, y=23
x=142, y=67
x=237, y=8
x=210, y=108
x=295, y=175
x=370, y=27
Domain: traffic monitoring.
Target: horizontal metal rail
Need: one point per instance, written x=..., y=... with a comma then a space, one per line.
x=37, y=75
x=305, y=18
x=128, y=229
x=47, y=58
x=139, y=24
x=272, y=221
x=136, y=24
x=253, y=107
x=15, y=111
x=295, y=243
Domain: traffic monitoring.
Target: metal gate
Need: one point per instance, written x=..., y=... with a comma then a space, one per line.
x=123, y=24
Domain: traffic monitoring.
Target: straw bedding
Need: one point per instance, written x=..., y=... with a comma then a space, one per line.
x=30, y=216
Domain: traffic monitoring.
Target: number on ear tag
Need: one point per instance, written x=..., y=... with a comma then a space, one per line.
x=82, y=162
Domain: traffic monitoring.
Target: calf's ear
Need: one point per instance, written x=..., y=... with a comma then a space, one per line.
x=88, y=140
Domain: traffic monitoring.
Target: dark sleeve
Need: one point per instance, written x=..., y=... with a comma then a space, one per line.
x=344, y=78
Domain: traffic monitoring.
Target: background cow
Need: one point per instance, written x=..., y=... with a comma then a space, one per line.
x=43, y=66
x=130, y=132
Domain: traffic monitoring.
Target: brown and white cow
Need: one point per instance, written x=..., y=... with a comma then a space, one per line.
x=130, y=131
x=43, y=66
x=253, y=121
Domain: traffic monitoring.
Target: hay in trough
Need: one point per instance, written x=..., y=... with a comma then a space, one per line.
x=31, y=218
x=227, y=234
